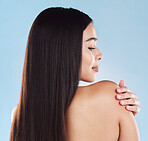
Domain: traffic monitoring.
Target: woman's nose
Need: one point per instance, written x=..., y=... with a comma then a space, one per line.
x=99, y=55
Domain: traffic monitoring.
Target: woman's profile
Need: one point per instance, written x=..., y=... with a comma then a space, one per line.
x=61, y=50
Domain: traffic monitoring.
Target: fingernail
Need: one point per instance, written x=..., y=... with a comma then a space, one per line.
x=128, y=107
x=122, y=102
x=118, y=96
x=119, y=90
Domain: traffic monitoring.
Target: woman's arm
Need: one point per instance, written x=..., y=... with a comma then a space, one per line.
x=13, y=112
x=128, y=129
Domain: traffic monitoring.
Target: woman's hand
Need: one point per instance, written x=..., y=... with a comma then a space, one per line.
x=128, y=98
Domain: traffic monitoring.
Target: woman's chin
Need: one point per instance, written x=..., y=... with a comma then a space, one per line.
x=90, y=80
x=91, y=77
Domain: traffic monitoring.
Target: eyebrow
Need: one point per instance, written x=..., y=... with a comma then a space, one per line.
x=92, y=38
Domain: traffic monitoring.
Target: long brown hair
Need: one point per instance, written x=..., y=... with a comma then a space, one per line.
x=51, y=74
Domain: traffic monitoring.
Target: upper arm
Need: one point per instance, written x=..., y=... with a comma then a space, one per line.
x=13, y=113
x=128, y=129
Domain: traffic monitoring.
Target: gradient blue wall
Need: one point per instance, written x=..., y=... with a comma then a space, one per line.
x=122, y=29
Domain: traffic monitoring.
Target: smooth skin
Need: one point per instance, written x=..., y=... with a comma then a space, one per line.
x=95, y=115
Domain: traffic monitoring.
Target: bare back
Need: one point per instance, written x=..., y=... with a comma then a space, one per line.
x=93, y=115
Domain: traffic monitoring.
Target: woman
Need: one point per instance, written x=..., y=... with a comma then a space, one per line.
x=57, y=57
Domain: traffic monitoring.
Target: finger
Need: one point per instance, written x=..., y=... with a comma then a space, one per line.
x=131, y=101
x=126, y=95
x=121, y=83
x=123, y=89
x=135, y=109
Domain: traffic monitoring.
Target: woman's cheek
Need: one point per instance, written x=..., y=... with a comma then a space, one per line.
x=87, y=64
x=87, y=60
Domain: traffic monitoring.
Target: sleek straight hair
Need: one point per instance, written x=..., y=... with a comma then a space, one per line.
x=51, y=75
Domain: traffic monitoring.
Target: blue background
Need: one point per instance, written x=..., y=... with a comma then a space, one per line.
x=122, y=29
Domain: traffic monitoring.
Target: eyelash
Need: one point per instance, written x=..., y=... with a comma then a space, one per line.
x=91, y=48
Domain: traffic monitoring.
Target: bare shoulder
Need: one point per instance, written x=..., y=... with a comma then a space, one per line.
x=95, y=108
x=104, y=85
x=99, y=96
x=104, y=92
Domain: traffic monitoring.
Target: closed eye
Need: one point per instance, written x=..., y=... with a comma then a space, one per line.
x=91, y=48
